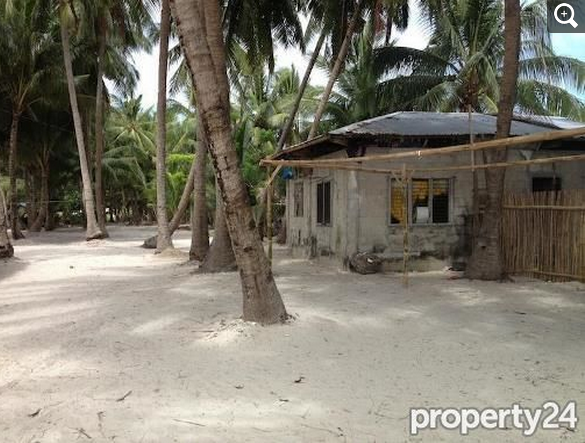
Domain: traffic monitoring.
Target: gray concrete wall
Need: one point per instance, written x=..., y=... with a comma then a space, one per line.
x=361, y=203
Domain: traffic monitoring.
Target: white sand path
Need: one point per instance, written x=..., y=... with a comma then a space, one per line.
x=104, y=342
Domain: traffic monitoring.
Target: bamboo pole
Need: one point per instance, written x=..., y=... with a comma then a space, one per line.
x=418, y=153
x=475, y=179
x=582, y=267
x=274, y=174
x=405, y=216
x=319, y=164
x=269, y=214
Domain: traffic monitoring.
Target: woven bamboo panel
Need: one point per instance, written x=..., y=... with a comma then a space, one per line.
x=543, y=235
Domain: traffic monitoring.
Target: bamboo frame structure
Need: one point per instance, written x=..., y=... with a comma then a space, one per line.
x=469, y=147
x=405, y=227
x=320, y=164
x=404, y=175
x=269, y=220
x=543, y=234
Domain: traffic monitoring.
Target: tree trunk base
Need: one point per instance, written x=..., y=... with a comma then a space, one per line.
x=267, y=307
x=281, y=236
x=150, y=243
x=485, y=264
x=195, y=256
x=6, y=251
x=17, y=235
x=217, y=263
x=98, y=235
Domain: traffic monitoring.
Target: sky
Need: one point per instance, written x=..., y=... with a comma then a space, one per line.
x=572, y=45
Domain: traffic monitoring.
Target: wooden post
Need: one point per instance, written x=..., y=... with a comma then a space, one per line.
x=405, y=254
x=269, y=233
x=583, y=248
x=475, y=185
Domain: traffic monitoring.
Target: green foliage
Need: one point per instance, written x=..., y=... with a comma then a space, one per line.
x=460, y=69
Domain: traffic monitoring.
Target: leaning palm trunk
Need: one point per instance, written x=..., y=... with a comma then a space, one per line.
x=6, y=249
x=199, y=223
x=199, y=25
x=92, y=230
x=293, y=113
x=220, y=257
x=99, y=134
x=31, y=196
x=164, y=240
x=44, y=203
x=14, y=222
x=486, y=261
x=150, y=243
x=337, y=67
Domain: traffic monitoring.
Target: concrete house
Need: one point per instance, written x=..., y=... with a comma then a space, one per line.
x=340, y=212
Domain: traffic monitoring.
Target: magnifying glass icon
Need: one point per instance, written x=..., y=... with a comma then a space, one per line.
x=567, y=17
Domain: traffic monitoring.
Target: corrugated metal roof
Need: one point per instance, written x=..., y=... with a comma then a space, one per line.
x=553, y=122
x=444, y=124
x=417, y=125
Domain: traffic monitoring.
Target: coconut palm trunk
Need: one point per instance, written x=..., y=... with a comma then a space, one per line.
x=293, y=113
x=6, y=249
x=200, y=28
x=185, y=200
x=31, y=197
x=164, y=240
x=43, y=213
x=150, y=243
x=220, y=257
x=14, y=222
x=92, y=229
x=337, y=68
x=486, y=261
x=99, y=133
x=199, y=217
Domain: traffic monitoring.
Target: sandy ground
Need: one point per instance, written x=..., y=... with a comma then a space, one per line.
x=105, y=342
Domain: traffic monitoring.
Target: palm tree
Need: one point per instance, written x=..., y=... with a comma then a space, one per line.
x=47, y=131
x=164, y=240
x=128, y=160
x=459, y=70
x=199, y=214
x=92, y=229
x=118, y=27
x=486, y=260
x=259, y=24
x=27, y=76
x=6, y=249
x=200, y=28
x=338, y=65
x=360, y=94
x=348, y=16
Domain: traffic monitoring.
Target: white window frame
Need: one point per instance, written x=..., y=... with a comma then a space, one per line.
x=451, y=181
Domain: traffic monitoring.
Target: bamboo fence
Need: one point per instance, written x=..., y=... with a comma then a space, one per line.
x=543, y=235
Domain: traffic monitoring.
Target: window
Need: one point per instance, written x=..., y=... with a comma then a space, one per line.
x=324, y=203
x=440, y=208
x=299, y=199
x=397, y=198
x=421, y=201
x=428, y=202
x=543, y=184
